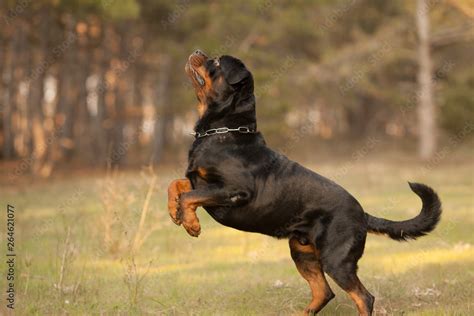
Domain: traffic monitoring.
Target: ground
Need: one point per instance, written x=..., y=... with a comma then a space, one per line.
x=73, y=237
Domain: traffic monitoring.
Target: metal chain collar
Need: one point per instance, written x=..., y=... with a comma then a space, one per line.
x=223, y=130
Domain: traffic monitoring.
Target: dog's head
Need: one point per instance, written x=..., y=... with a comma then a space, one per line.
x=222, y=84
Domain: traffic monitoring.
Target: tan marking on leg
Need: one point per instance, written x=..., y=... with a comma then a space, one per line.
x=188, y=205
x=359, y=295
x=359, y=303
x=306, y=258
x=296, y=246
x=174, y=190
x=190, y=220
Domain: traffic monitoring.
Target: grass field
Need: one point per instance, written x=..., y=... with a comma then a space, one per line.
x=73, y=238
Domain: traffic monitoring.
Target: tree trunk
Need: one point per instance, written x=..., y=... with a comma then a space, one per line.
x=102, y=123
x=162, y=112
x=67, y=92
x=21, y=132
x=84, y=133
x=72, y=107
x=35, y=98
x=426, y=107
x=8, y=76
x=119, y=148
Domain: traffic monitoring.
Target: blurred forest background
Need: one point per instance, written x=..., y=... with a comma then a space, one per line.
x=89, y=83
x=369, y=93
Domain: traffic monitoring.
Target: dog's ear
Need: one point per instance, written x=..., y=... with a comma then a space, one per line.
x=234, y=70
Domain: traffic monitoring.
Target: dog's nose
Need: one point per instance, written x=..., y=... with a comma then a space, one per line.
x=198, y=52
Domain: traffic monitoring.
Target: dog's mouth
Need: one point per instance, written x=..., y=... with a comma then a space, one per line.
x=195, y=62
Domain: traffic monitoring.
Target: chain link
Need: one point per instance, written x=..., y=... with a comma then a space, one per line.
x=223, y=130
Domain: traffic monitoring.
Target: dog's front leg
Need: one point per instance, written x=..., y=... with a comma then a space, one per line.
x=176, y=188
x=190, y=201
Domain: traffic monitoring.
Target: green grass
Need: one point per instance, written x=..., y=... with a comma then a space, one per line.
x=224, y=271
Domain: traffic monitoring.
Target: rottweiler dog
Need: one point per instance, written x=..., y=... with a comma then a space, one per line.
x=244, y=184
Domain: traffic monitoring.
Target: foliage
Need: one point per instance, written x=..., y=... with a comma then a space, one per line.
x=457, y=110
x=353, y=63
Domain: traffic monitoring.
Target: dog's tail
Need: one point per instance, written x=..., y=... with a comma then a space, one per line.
x=418, y=226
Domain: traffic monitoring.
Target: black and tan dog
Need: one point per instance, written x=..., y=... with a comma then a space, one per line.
x=244, y=184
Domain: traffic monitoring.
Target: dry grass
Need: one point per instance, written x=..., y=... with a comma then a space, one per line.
x=123, y=255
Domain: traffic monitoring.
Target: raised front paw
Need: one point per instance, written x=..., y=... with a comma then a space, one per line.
x=187, y=215
x=174, y=210
x=192, y=227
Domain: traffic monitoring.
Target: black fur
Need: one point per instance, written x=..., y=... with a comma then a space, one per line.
x=416, y=227
x=256, y=189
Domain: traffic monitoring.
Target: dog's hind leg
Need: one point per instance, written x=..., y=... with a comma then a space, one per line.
x=306, y=258
x=344, y=272
x=349, y=282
